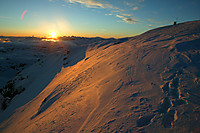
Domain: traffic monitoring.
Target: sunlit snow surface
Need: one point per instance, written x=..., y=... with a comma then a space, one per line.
x=146, y=83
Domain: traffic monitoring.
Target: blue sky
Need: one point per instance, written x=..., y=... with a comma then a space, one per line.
x=104, y=18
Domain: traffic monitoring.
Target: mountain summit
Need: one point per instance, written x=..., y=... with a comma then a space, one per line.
x=146, y=83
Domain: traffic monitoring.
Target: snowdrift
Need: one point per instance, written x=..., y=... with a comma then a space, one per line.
x=147, y=83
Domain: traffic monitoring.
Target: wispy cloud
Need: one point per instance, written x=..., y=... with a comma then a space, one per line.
x=126, y=14
x=88, y=3
x=95, y=4
x=135, y=8
x=109, y=14
x=115, y=11
x=128, y=3
x=127, y=19
x=153, y=21
x=150, y=26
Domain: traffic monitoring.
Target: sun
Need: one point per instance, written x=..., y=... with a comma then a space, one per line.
x=53, y=34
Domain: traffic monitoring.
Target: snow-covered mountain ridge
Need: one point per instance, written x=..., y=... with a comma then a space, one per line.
x=147, y=83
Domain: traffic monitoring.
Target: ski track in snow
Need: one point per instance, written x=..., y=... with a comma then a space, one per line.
x=91, y=113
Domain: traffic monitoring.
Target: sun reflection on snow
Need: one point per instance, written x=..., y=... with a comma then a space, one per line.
x=50, y=39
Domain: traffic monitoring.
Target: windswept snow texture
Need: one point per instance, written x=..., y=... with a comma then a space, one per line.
x=147, y=83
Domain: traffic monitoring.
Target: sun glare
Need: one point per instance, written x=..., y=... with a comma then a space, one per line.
x=53, y=34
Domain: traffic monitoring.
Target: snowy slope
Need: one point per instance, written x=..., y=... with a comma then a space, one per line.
x=47, y=60
x=36, y=77
x=17, y=56
x=148, y=83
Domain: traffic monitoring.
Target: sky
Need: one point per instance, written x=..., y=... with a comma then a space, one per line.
x=91, y=18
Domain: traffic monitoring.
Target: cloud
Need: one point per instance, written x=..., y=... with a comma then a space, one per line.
x=94, y=4
x=114, y=11
x=109, y=14
x=127, y=19
x=127, y=14
x=128, y=3
x=130, y=20
x=119, y=16
x=88, y=3
x=153, y=21
x=131, y=3
x=135, y=8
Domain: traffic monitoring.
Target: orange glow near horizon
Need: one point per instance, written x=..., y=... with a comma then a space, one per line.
x=58, y=28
